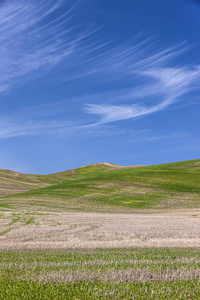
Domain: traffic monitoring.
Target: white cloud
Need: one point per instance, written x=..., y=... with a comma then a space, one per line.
x=171, y=83
x=34, y=37
x=10, y=129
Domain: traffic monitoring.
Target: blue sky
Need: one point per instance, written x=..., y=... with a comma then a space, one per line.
x=98, y=81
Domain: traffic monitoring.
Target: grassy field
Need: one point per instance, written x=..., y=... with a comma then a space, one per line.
x=99, y=232
x=100, y=274
x=109, y=187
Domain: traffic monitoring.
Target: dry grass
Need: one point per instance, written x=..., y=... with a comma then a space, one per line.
x=127, y=275
x=99, y=230
x=105, y=265
x=131, y=274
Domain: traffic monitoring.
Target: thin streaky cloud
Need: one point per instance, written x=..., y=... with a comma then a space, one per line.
x=30, y=121
x=125, y=60
x=61, y=129
x=171, y=82
x=10, y=129
x=149, y=136
x=36, y=36
x=30, y=41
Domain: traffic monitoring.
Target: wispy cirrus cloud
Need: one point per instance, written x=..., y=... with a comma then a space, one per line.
x=9, y=129
x=34, y=37
x=61, y=129
x=166, y=80
x=46, y=119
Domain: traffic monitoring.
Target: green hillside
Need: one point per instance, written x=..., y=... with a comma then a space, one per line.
x=12, y=182
x=110, y=187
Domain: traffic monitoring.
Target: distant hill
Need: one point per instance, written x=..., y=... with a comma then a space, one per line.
x=12, y=182
x=105, y=186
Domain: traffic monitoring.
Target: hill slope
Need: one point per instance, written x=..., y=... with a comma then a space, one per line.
x=12, y=182
x=106, y=186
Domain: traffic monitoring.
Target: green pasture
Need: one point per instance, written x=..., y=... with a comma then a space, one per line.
x=99, y=187
x=100, y=274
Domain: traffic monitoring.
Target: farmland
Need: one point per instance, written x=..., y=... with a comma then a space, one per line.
x=101, y=232
x=100, y=274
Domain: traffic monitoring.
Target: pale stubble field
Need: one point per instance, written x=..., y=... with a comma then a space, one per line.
x=101, y=232
x=177, y=228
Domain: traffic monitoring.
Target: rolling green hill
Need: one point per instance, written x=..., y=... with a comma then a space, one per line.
x=12, y=182
x=105, y=187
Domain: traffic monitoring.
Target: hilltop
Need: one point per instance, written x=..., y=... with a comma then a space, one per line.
x=12, y=182
x=105, y=186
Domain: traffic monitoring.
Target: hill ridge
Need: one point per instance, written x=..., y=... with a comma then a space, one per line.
x=105, y=175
